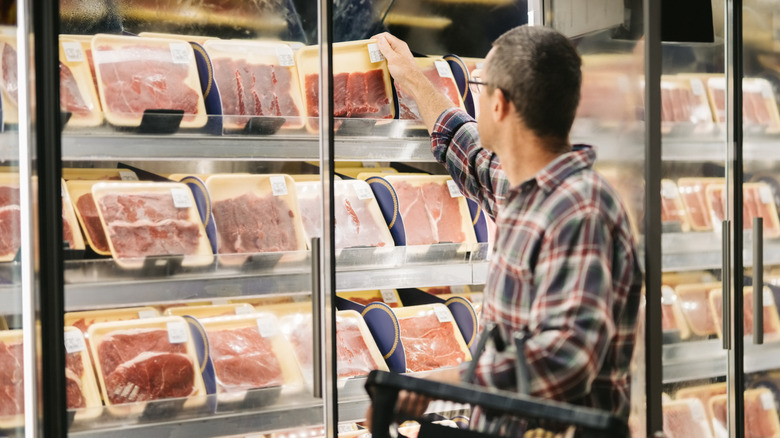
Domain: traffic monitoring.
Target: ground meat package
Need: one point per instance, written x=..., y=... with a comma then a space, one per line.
x=359, y=220
x=211, y=310
x=361, y=81
x=771, y=318
x=757, y=201
x=673, y=213
x=136, y=74
x=10, y=216
x=431, y=209
x=759, y=108
x=145, y=219
x=693, y=192
x=250, y=352
x=672, y=317
x=430, y=338
x=71, y=232
x=77, y=89
x=685, y=418
x=256, y=78
x=761, y=420
x=438, y=72
x=694, y=304
x=145, y=360
x=9, y=86
x=255, y=214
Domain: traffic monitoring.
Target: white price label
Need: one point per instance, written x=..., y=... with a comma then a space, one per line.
x=443, y=68
x=388, y=296
x=374, y=54
x=143, y=314
x=219, y=301
x=278, y=185
x=285, y=55
x=370, y=164
x=266, y=327
x=697, y=87
x=765, y=193
x=454, y=190
x=697, y=410
x=668, y=191
x=458, y=290
x=667, y=296
x=128, y=175
x=73, y=52
x=180, y=53
x=62, y=191
x=442, y=313
x=182, y=198
x=349, y=427
x=74, y=342
x=177, y=332
x=244, y=310
x=769, y=299
x=767, y=401
x=766, y=91
x=363, y=191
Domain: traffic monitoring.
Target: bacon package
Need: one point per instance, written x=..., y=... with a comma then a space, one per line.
x=761, y=419
x=255, y=214
x=430, y=338
x=144, y=360
x=694, y=304
x=759, y=108
x=438, y=72
x=685, y=418
x=757, y=201
x=771, y=318
x=137, y=74
x=77, y=89
x=693, y=192
x=359, y=220
x=145, y=219
x=256, y=79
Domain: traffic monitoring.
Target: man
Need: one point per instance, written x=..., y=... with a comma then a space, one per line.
x=564, y=267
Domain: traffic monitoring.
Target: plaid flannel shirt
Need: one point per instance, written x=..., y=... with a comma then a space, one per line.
x=563, y=269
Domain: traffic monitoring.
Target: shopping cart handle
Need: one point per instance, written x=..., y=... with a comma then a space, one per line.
x=383, y=388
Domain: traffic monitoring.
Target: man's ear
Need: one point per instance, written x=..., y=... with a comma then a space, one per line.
x=501, y=107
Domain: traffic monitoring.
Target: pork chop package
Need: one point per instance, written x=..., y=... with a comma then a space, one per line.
x=211, y=310
x=80, y=192
x=685, y=418
x=366, y=297
x=761, y=418
x=757, y=201
x=9, y=86
x=145, y=219
x=438, y=72
x=693, y=192
x=770, y=314
x=145, y=360
x=359, y=221
x=137, y=74
x=71, y=232
x=673, y=214
x=694, y=304
x=430, y=338
x=423, y=209
x=10, y=216
x=759, y=108
x=256, y=79
x=250, y=352
x=78, y=95
x=361, y=81
x=672, y=317
x=255, y=214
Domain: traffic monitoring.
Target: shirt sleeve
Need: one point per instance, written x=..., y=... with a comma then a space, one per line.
x=455, y=143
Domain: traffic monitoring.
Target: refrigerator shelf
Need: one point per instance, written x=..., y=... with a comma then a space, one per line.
x=707, y=359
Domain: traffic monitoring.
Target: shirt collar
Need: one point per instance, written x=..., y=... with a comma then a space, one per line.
x=580, y=157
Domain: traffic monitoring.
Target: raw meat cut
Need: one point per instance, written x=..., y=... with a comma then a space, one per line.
x=250, y=224
x=74, y=369
x=757, y=201
x=92, y=225
x=243, y=359
x=408, y=107
x=10, y=83
x=67, y=232
x=704, y=393
x=11, y=379
x=754, y=106
x=695, y=307
x=357, y=94
x=142, y=364
x=428, y=343
x=685, y=419
x=70, y=95
x=760, y=415
x=10, y=222
x=149, y=206
x=430, y=214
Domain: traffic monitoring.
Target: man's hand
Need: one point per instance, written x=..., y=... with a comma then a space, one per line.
x=400, y=60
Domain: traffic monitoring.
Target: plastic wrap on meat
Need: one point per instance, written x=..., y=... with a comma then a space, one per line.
x=89, y=214
x=11, y=379
x=250, y=224
x=430, y=214
x=74, y=369
x=685, y=419
x=10, y=217
x=695, y=307
x=243, y=359
x=70, y=96
x=693, y=195
x=428, y=343
x=10, y=83
x=356, y=94
x=760, y=415
x=407, y=106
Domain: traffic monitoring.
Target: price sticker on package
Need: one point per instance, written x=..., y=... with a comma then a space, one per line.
x=244, y=310
x=374, y=54
x=74, y=342
x=388, y=296
x=285, y=55
x=266, y=327
x=180, y=53
x=767, y=401
x=144, y=314
x=697, y=87
x=181, y=198
x=667, y=296
x=458, y=290
x=442, y=313
x=128, y=175
x=697, y=411
x=177, y=332
x=769, y=299
x=443, y=68
x=766, y=91
x=73, y=52
x=363, y=191
x=454, y=189
x=349, y=427
x=765, y=193
x=668, y=191
x=278, y=185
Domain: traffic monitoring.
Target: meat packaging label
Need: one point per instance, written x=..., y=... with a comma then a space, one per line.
x=363, y=191
x=285, y=55
x=452, y=186
x=374, y=54
x=127, y=175
x=266, y=327
x=443, y=69
x=182, y=198
x=151, y=313
x=389, y=296
x=180, y=53
x=697, y=410
x=279, y=186
x=442, y=314
x=697, y=87
x=73, y=52
x=767, y=401
x=177, y=332
x=74, y=341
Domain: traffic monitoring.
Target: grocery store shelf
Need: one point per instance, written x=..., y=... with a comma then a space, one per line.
x=702, y=250
x=707, y=359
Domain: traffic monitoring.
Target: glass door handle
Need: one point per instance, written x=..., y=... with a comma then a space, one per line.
x=316, y=320
x=758, y=280
x=726, y=284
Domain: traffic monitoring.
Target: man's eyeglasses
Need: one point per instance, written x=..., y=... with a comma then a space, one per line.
x=476, y=85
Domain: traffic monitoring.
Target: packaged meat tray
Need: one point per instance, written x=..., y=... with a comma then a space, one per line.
x=137, y=74
x=761, y=419
x=81, y=387
x=256, y=78
x=671, y=316
x=83, y=320
x=757, y=201
x=438, y=72
x=693, y=192
x=694, y=304
x=361, y=81
x=86, y=211
x=71, y=232
x=356, y=352
x=144, y=219
x=97, y=174
x=673, y=213
x=86, y=46
x=771, y=318
x=77, y=89
x=703, y=393
x=211, y=310
x=145, y=360
x=684, y=104
x=11, y=379
x=358, y=219
x=675, y=279
x=9, y=86
x=255, y=214
x=424, y=209
x=250, y=352
x=10, y=216
x=365, y=297
x=685, y=418
x=759, y=108
x=430, y=338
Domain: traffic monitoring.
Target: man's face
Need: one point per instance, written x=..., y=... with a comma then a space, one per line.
x=485, y=124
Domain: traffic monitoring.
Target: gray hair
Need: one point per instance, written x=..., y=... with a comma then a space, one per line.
x=538, y=69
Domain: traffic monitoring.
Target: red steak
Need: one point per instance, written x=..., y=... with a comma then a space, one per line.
x=243, y=359
x=250, y=224
x=93, y=227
